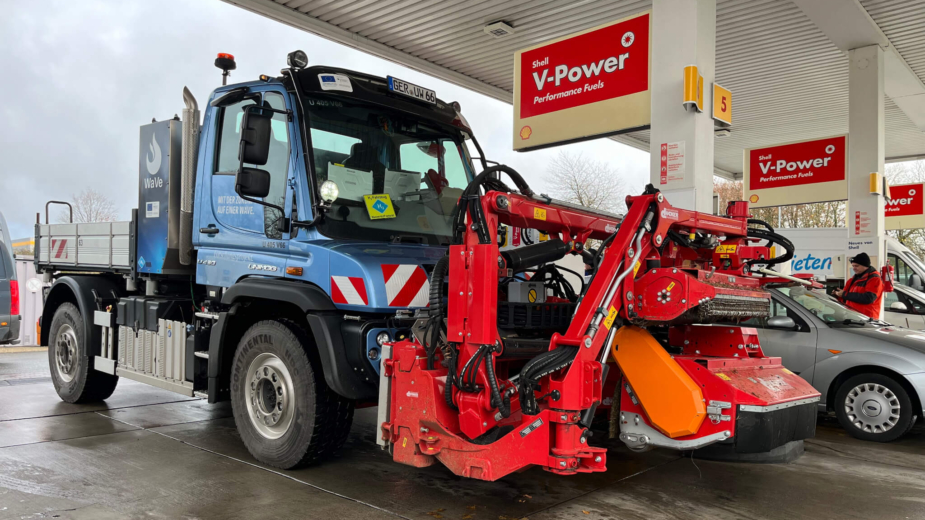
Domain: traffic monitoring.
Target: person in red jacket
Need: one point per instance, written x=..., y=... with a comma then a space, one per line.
x=864, y=290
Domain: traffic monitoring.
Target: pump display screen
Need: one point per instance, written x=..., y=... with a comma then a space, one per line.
x=398, y=176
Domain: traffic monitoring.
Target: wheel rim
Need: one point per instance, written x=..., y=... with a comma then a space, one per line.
x=66, y=353
x=270, y=396
x=872, y=408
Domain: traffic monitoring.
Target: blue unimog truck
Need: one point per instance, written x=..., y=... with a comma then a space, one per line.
x=300, y=222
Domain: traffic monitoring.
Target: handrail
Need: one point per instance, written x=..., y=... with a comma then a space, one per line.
x=69, y=207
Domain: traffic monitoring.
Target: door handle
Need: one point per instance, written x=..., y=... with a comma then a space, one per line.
x=211, y=230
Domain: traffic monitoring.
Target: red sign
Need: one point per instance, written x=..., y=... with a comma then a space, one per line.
x=663, y=178
x=599, y=65
x=809, y=162
x=906, y=200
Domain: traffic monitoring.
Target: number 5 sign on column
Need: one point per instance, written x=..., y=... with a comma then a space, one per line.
x=722, y=105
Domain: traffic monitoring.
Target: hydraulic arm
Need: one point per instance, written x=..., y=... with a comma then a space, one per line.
x=466, y=392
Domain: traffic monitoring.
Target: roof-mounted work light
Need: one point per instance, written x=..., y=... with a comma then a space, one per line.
x=225, y=62
x=297, y=59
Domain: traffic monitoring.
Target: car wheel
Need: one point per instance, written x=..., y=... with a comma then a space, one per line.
x=286, y=414
x=69, y=360
x=874, y=407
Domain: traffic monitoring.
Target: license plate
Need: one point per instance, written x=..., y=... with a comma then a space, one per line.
x=412, y=90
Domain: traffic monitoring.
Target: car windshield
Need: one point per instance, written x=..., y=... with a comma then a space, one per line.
x=910, y=257
x=913, y=293
x=825, y=307
x=398, y=177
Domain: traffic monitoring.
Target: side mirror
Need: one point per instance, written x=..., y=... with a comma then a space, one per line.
x=781, y=323
x=916, y=282
x=252, y=182
x=899, y=307
x=255, y=136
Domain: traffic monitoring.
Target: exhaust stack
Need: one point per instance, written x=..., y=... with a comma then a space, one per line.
x=190, y=156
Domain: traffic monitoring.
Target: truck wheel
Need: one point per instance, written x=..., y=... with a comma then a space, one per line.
x=283, y=409
x=69, y=360
x=874, y=407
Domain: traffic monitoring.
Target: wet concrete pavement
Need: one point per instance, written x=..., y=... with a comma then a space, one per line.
x=153, y=454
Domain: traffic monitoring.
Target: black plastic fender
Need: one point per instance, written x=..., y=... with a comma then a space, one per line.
x=324, y=321
x=83, y=291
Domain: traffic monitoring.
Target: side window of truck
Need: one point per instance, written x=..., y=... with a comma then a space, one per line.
x=903, y=273
x=229, y=207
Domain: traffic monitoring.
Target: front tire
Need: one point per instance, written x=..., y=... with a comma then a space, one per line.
x=283, y=409
x=69, y=360
x=874, y=407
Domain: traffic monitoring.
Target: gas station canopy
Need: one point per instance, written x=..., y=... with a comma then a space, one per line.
x=785, y=62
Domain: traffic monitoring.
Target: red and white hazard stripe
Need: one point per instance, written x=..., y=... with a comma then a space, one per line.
x=406, y=285
x=348, y=290
x=59, y=248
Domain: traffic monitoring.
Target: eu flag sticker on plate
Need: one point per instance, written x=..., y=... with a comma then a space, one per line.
x=335, y=82
x=379, y=206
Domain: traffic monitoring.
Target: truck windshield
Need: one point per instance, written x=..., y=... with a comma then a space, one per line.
x=398, y=177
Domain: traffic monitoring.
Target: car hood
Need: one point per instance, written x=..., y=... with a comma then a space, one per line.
x=908, y=338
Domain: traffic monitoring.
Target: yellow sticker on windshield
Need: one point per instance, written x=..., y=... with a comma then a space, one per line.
x=379, y=206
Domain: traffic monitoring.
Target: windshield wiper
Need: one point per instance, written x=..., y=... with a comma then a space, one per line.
x=854, y=321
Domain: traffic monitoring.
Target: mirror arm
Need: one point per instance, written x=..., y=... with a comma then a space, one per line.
x=319, y=211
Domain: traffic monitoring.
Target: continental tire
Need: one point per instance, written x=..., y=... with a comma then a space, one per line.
x=284, y=411
x=69, y=360
x=874, y=407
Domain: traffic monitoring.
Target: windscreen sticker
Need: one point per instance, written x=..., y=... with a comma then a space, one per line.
x=379, y=206
x=335, y=82
x=424, y=224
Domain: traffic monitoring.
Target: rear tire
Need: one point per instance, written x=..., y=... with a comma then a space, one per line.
x=69, y=360
x=874, y=407
x=283, y=409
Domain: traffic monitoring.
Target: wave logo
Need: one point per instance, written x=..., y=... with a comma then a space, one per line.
x=153, y=158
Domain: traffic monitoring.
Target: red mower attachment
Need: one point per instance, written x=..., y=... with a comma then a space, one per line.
x=488, y=393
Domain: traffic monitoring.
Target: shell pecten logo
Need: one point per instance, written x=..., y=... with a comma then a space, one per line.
x=526, y=132
x=753, y=198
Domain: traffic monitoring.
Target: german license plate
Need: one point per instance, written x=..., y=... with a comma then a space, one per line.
x=412, y=90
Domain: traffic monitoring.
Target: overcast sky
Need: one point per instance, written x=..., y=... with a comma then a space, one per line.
x=80, y=77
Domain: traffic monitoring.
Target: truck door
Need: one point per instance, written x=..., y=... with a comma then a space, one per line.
x=240, y=238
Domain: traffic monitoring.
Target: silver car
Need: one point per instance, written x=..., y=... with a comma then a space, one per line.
x=870, y=373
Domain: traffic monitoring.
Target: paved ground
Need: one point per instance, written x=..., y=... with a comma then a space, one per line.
x=148, y=453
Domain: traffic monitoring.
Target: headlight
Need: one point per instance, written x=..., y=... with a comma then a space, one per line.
x=383, y=338
x=329, y=191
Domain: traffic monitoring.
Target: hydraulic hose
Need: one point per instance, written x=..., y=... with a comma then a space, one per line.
x=471, y=195
x=503, y=404
x=772, y=237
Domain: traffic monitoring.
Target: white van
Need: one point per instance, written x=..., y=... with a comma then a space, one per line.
x=824, y=252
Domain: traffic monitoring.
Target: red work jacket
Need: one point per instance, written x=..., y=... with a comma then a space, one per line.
x=863, y=293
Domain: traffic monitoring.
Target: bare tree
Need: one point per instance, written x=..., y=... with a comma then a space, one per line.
x=90, y=206
x=592, y=184
x=822, y=214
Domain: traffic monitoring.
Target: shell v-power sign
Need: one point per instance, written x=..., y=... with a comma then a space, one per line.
x=583, y=86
